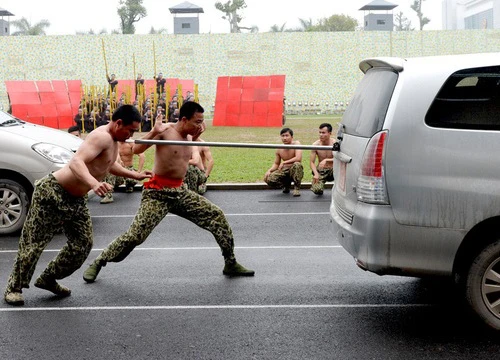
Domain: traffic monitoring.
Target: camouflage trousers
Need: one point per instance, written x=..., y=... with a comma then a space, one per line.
x=280, y=179
x=155, y=205
x=50, y=207
x=116, y=181
x=196, y=180
x=325, y=174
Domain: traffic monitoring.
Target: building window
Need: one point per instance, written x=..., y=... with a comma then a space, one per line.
x=380, y=22
x=482, y=20
x=186, y=25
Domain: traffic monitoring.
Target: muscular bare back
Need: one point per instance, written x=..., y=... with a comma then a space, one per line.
x=91, y=162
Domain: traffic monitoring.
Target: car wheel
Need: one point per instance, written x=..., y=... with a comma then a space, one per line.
x=14, y=205
x=483, y=285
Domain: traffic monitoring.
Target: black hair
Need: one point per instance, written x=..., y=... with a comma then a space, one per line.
x=286, y=130
x=127, y=113
x=189, y=108
x=327, y=125
x=73, y=128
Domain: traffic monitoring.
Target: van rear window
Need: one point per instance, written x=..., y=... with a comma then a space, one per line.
x=366, y=112
x=469, y=99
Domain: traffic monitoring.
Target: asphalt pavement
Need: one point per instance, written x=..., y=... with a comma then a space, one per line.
x=169, y=299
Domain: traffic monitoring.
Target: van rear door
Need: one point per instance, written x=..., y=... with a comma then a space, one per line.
x=364, y=117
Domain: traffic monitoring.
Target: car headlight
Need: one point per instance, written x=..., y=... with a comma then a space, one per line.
x=54, y=153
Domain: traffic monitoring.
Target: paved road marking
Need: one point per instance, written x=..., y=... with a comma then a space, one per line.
x=249, y=214
x=215, y=307
x=206, y=248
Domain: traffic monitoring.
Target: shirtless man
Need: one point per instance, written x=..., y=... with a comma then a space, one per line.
x=61, y=197
x=287, y=166
x=166, y=192
x=126, y=159
x=322, y=172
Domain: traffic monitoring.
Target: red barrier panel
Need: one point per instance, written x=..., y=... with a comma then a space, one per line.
x=47, y=98
x=51, y=121
x=74, y=85
x=59, y=86
x=29, y=98
x=249, y=101
x=44, y=86
x=19, y=110
x=14, y=86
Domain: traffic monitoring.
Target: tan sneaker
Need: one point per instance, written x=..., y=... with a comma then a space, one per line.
x=14, y=298
x=296, y=192
x=107, y=199
x=52, y=286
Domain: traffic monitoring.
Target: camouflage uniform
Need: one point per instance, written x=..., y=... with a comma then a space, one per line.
x=155, y=205
x=280, y=179
x=52, y=205
x=325, y=174
x=196, y=180
x=116, y=181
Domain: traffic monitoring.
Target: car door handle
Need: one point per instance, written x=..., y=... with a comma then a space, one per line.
x=342, y=157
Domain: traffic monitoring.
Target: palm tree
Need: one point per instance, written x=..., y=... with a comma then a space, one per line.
x=277, y=28
x=25, y=27
x=305, y=24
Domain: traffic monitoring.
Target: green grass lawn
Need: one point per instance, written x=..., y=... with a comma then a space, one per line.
x=244, y=165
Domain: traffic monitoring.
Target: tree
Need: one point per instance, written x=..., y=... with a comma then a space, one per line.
x=277, y=28
x=92, y=32
x=230, y=9
x=25, y=27
x=402, y=23
x=417, y=6
x=159, y=31
x=335, y=23
x=130, y=12
x=305, y=24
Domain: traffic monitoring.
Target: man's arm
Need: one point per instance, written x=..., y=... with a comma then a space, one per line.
x=196, y=158
x=274, y=167
x=296, y=158
x=118, y=170
x=312, y=164
x=209, y=160
x=154, y=134
x=142, y=159
x=90, y=149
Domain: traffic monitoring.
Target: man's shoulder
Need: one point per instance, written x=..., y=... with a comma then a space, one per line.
x=101, y=134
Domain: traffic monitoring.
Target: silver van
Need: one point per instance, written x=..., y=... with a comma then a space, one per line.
x=28, y=152
x=417, y=173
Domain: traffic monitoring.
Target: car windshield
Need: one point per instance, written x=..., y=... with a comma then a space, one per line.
x=9, y=120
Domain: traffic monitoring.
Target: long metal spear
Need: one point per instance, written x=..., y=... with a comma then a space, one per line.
x=234, y=145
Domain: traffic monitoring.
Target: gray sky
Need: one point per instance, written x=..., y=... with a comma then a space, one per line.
x=67, y=17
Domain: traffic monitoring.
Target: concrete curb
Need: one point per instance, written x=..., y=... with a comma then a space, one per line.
x=236, y=186
x=253, y=186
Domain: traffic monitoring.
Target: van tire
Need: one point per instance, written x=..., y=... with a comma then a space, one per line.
x=19, y=199
x=487, y=262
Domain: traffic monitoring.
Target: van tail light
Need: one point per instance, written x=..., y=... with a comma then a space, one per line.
x=371, y=187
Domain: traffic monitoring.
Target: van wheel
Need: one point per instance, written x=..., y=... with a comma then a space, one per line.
x=483, y=285
x=14, y=205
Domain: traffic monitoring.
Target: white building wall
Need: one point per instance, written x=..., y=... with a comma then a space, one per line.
x=455, y=12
